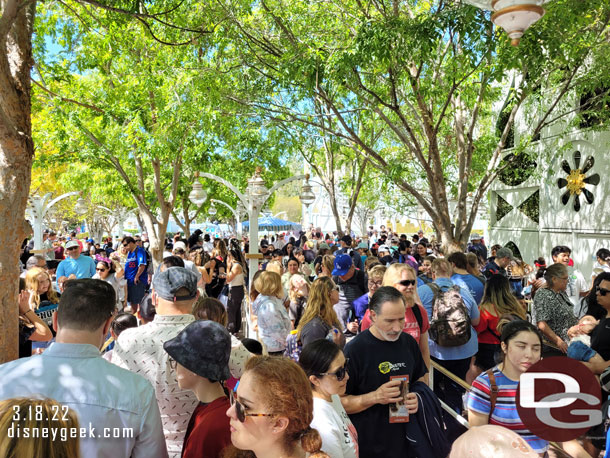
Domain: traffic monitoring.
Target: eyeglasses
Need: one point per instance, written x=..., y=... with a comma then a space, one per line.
x=172, y=363
x=375, y=283
x=602, y=291
x=97, y=269
x=240, y=410
x=339, y=373
x=407, y=282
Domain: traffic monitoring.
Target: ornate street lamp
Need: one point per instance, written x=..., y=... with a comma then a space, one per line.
x=212, y=210
x=257, y=189
x=197, y=195
x=514, y=16
x=307, y=196
x=81, y=206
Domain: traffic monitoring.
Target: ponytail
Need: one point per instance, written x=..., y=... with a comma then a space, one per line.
x=311, y=442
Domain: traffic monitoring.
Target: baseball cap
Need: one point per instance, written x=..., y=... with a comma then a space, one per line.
x=363, y=245
x=475, y=236
x=383, y=248
x=203, y=347
x=180, y=246
x=343, y=262
x=504, y=253
x=168, y=282
x=264, y=243
x=323, y=246
x=71, y=244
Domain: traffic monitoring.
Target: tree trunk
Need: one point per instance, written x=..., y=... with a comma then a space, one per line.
x=16, y=153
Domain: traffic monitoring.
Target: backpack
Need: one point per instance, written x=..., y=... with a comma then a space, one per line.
x=450, y=325
x=149, y=264
x=293, y=347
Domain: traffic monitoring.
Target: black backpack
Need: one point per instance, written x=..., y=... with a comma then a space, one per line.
x=450, y=325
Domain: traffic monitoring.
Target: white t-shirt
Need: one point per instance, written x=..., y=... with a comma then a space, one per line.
x=190, y=265
x=598, y=269
x=339, y=436
x=576, y=284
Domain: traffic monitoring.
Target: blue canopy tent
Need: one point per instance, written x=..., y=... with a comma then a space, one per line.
x=269, y=223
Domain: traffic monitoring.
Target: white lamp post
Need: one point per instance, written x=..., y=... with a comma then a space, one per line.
x=39, y=206
x=514, y=16
x=212, y=210
x=235, y=212
x=197, y=195
x=253, y=202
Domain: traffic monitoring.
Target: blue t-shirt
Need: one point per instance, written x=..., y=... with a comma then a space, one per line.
x=361, y=305
x=451, y=353
x=82, y=267
x=472, y=283
x=134, y=260
x=505, y=411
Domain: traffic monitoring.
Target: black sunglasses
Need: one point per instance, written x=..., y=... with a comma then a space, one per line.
x=602, y=291
x=71, y=248
x=407, y=282
x=240, y=412
x=339, y=373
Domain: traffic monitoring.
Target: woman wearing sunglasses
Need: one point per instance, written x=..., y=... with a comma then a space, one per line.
x=271, y=411
x=326, y=367
x=403, y=278
x=113, y=273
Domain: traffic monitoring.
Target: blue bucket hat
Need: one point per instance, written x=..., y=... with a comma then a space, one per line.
x=203, y=347
x=343, y=262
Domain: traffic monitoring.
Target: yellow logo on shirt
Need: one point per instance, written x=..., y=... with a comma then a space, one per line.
x=385, y=367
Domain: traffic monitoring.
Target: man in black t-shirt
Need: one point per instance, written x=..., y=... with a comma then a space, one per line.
x=374, y=356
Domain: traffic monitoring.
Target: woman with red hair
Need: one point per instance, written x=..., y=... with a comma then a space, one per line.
x=271, y=411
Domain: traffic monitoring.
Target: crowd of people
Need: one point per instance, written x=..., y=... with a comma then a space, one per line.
x=344, y=332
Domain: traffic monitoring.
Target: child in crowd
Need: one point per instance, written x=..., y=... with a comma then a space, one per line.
x=579, y=347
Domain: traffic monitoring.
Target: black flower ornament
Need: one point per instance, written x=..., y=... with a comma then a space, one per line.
x=576, y=181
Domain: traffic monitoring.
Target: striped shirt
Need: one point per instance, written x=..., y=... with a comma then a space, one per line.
x=505, y=412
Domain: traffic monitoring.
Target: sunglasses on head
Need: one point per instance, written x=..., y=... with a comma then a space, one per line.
x=240, y=411
x=407, y=282
x=602, y=291
x=339, y=373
